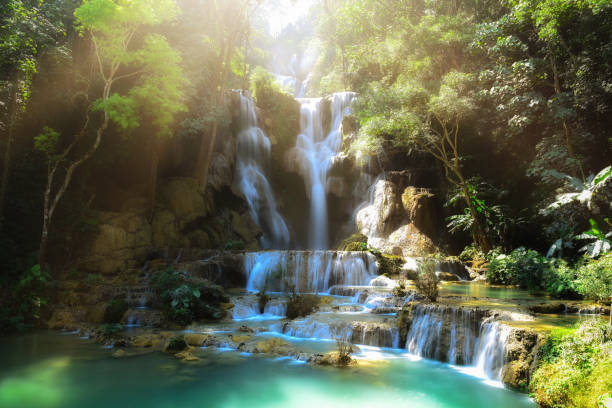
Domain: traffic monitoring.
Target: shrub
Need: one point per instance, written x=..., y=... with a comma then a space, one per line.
x=176, y=344
x=427, y=281
x=302, y=305
x=185, y=298
x=471, y=253
x=595, y=278
x=559, y=280
x=574, y=367
x=115, y=309
x=342, y=335
x=523, y=267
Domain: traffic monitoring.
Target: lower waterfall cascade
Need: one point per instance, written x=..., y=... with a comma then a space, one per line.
x=360, y=304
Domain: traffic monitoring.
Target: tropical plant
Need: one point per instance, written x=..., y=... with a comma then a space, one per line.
x=594, y=279
x=601, y=242
x=185, y=298
x=427, y=281
x=522, y=267
x=583, y=191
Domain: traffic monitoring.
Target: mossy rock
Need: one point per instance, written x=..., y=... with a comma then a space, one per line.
x=302, y=305
x=271, y=345
x=388, y=265
x=356, y=242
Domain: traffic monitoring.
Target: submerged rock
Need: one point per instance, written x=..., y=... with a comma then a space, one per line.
x=273, y=345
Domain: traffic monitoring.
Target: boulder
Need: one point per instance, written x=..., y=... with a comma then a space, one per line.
x=186, y=356
x=391, y=220
x=273, y=345
x=195, y=339
x=447, y=277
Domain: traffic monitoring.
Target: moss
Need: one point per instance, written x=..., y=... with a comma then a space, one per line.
x=356, y=242
x=302, y=305
x=388, y=265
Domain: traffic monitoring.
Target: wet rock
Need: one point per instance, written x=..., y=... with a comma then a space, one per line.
x=273, y=345
x=186, y=356
x=241, y=339
x=548, y=308
x=520, y=357
x=119, y=353
x=245, y=329
x=147, y=340
x=62, y=319
x=447, y=277
x=195, y=339
x=332, y=358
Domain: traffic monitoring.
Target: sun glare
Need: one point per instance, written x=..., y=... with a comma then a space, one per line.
x=285, y=12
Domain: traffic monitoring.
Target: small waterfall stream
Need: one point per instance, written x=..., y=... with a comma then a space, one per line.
x=461, y=336
x=253, y=156
x=307, y=271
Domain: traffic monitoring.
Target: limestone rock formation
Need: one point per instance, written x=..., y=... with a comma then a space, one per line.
x=397, y=222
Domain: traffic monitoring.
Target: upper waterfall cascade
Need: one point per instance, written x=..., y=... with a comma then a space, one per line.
x=315, y=151
x=253, y=156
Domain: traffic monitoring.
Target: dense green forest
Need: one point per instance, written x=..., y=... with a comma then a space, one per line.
x=508, y=101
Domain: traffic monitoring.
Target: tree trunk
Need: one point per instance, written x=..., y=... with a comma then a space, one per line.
x=153, y=173
x=8, y=152
x=206, y=149
x=51, y=204
x=480, y=236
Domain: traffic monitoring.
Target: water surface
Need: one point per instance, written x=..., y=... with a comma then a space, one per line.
x=52, y=370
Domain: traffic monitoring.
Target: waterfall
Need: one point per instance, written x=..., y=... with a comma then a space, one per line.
x=315, y=152
x=460, y=336
x=307, y=271
x=328, y=328
x=252, y=158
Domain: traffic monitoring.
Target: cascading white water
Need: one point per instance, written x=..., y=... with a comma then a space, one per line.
x=328, y=328
x=315, y=151
x=490, y=351
x=247, y=307
x=252, y=158
x=307, y=271
x=459, y=336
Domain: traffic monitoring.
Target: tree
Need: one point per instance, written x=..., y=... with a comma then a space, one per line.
x=26, y=28
x=146, y=66
x=440, y=138
x=229, y=26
